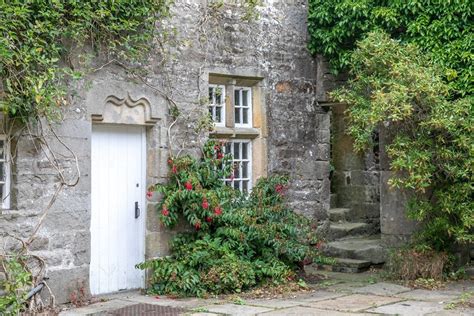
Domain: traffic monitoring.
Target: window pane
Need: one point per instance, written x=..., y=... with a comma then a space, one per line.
x=2, y=171
x=245, y=169
x=210, y=95
x=218, y=114
x=245, y=97
x=228, y=183
x=218, y=96
x=237, y=170
x=237, y=97
x=245, y=154
x=2, y=147
x=245, y=119
x=237, y=116
x=236, y=151
x=228, y=148
x=237, y=185
x=245, y=186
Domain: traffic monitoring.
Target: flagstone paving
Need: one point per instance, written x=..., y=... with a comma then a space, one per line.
x=340, y=295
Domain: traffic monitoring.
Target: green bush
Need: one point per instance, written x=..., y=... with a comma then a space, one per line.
x=233, y=241
x=397, y=87
x=444, y=30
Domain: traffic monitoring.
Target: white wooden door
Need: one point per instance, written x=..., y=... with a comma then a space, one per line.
x=117, y=229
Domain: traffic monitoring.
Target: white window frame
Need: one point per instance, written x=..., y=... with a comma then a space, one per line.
x=213, y=105
x=240, y=107
x=240, y=180
x=6, y=172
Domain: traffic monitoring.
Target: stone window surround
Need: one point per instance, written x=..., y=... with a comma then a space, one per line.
x=5, y=203
x=257, y=133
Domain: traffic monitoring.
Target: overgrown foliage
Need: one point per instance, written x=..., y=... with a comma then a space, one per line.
x=442, y=29
x=412, y=264
x=36, y=37
x=15, y=286
x=397, y=87
x=232, y=241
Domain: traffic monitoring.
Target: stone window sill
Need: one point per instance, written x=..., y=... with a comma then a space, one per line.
x=227, y=132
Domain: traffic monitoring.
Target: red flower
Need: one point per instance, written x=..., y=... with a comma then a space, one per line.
x=149, y=194
x=170, y=161
x=218, y=211
x=208, y=219
x=217, y=148
x=197, y=225
x=188, y=186
x=165, y=211
x=279, y=188
x=205, y=204
x=174, y=169
x=220, y=155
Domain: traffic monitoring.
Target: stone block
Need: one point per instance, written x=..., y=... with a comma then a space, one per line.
x=157, y=244
x=393, y=218
x=64, y=281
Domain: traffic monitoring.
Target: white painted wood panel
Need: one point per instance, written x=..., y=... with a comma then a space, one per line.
x=118, y=166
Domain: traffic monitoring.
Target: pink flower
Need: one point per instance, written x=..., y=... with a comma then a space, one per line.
x=208, y=219
x=174, y=169
x=188, y=186
x=319, y=245
x=149, y=194
x=170, y=161
x=218, y=211
x=220, y=155
x=205, y=204
x=165, y=211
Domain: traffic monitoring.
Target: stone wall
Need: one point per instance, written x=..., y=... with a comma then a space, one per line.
x=208, y=40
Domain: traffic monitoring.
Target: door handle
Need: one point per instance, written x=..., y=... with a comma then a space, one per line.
x=137, y=210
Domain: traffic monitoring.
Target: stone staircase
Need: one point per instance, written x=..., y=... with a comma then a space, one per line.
x=354, y=243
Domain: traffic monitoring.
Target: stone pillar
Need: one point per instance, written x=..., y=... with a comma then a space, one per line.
x=395, y=226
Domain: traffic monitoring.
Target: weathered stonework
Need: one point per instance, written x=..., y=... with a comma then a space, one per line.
x=270, y=49
x=355, y=177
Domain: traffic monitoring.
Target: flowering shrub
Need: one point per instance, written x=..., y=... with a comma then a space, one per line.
x=234, y=241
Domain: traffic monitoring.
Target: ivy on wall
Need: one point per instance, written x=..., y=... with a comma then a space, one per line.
x=37, y=36
x=442, y=29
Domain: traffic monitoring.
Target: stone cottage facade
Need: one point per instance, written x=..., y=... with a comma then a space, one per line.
x=267, y=96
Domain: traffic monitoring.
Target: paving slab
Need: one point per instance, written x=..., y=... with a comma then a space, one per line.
x=409, y=308
x=452, y=313
x=188, y=303
x=319, y=296
x=307, y=311
x=428, y=295
x=382, y=288
x=238, y=310
x=354, y=302
x=201, y=314
x=97, y=308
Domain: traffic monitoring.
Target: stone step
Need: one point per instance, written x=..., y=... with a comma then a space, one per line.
x=339, y=214
x=345, y=229
x=361, y=248
x=350, y=265
x=333, y=200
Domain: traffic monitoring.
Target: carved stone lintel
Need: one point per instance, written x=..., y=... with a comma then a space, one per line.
x=126, y=111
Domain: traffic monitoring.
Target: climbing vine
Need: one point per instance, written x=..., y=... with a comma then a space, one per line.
x=39, y=37
x=442, y=29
